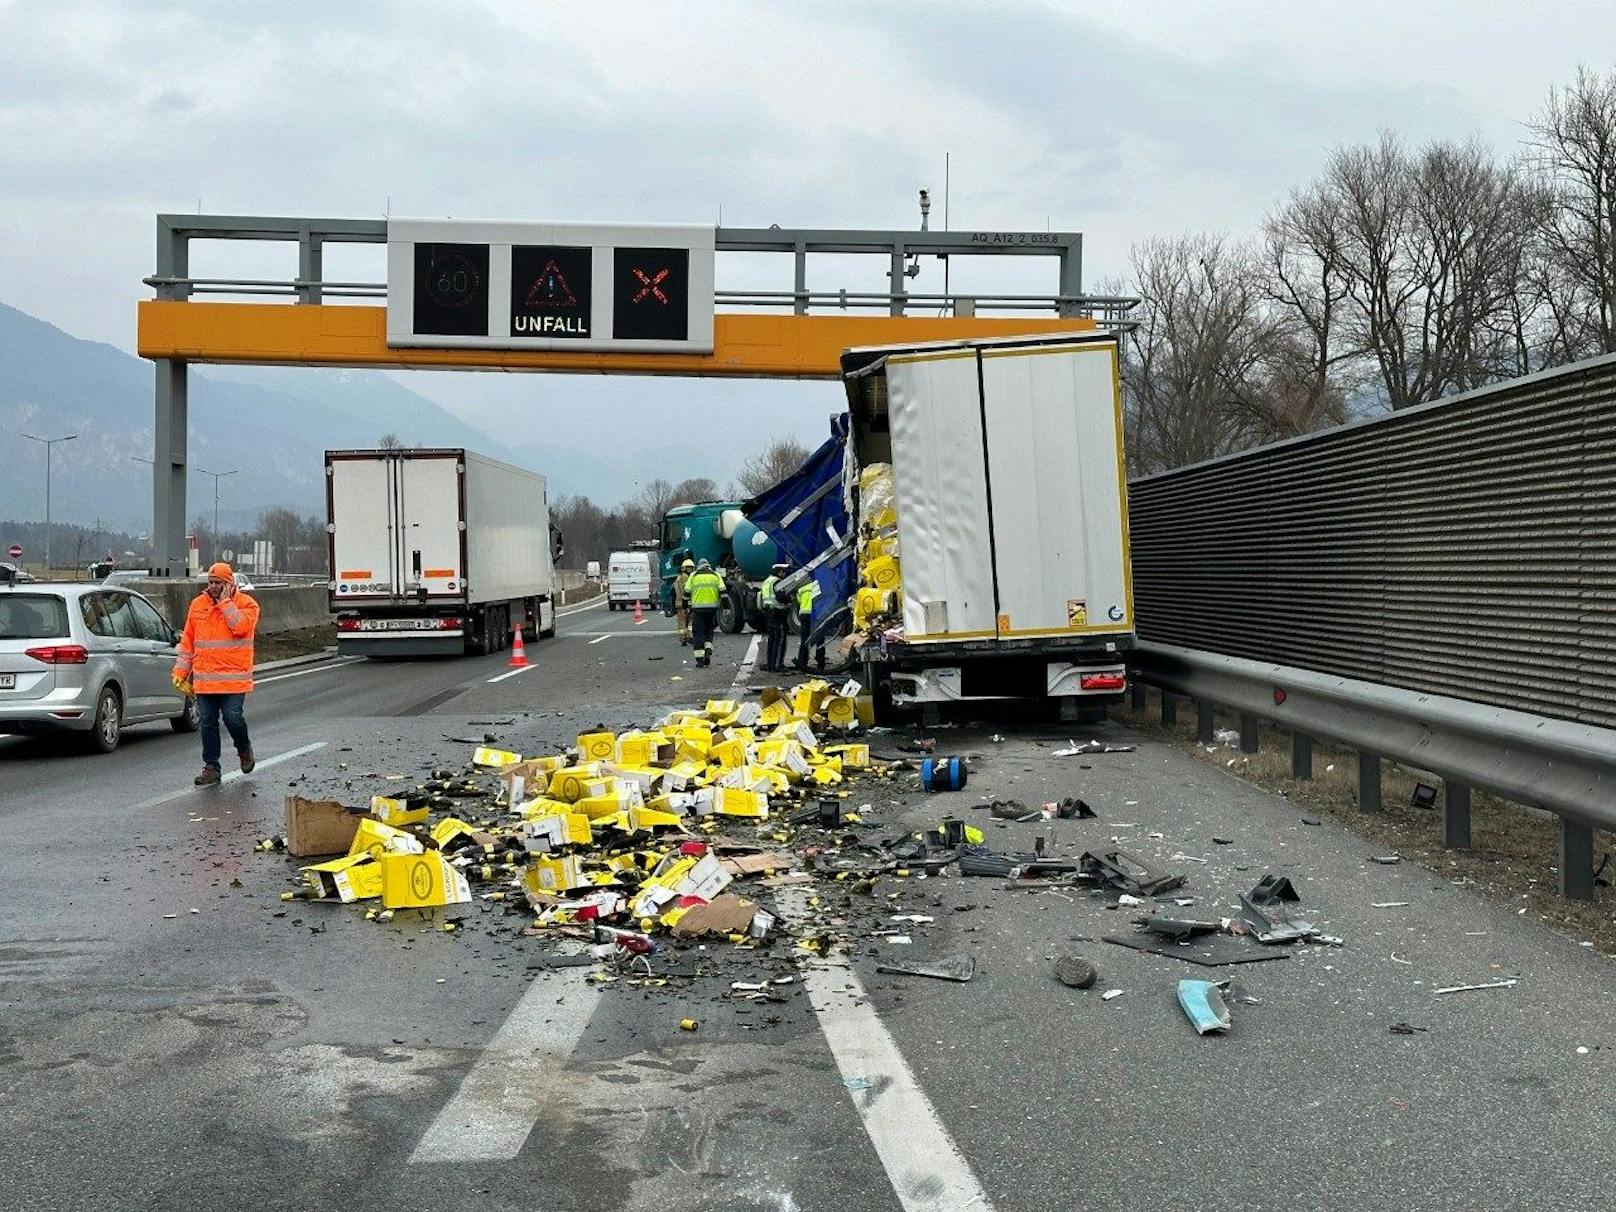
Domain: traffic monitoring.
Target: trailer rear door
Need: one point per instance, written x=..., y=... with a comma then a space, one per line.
x=430, y=534
x=1056, y=489
x=362, y=527
x=942, y=496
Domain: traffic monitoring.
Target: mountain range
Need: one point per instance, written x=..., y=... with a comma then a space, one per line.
x=267, y=424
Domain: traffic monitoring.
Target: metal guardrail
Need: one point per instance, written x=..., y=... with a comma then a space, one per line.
x=1565, y=767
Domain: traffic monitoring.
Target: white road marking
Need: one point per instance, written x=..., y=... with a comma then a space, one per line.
x=622, y=635
x=298, y=673
x=924, y=1165
x=601, y=639
x=511, y=673
x=501, y=1098
x=744, y=674
x=263, y=764
x=593, y=602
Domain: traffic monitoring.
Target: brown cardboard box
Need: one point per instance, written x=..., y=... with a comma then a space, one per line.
x=319, y=826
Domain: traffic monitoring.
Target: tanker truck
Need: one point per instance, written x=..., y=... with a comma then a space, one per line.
x=718, y=532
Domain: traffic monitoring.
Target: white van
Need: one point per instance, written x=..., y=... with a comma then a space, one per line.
x=629, y=577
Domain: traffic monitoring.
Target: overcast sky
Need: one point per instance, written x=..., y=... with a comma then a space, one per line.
x=1119, y=120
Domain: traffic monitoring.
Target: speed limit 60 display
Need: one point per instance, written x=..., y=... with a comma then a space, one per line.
x=451, y=289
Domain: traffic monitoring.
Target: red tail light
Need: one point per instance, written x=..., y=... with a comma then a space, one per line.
x=60, y=654
x=347, y=624
x=1104, y=681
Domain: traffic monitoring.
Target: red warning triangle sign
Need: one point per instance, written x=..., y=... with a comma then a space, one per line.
x=550, y=288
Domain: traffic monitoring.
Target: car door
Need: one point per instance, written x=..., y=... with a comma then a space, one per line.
x=163, y=641
x=110, y=620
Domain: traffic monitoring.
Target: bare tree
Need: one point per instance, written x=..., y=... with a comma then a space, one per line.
x=654, y=497
x=779, y=459
x=1574, y=146
x=701, y=488
x=1193, y=366
x=1427, y=243
x=389, y=441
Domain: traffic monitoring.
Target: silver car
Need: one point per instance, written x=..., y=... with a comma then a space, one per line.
x=89, y=659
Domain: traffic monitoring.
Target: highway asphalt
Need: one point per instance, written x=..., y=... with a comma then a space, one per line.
x=167, y=1041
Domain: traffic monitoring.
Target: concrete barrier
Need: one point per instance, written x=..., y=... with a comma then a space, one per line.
x=280, y=608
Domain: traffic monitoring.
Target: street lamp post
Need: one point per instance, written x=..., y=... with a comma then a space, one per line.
x=49, y=445
x=217, y=476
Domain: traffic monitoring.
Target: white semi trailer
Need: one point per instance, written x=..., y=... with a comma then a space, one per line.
x=1009, y=489
x=437, y=551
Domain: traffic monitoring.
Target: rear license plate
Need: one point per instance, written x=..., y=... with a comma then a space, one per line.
x=8, y=681
x=392, y=625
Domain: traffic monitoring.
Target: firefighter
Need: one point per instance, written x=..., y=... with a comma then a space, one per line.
x=681, y=599
x=705, y=590
x=215, y=663
x=776, y=617
x=807, y=593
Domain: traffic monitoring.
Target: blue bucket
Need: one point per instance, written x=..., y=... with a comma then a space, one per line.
x=942, y=774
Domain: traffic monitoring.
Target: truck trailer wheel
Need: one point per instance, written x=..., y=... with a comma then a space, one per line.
x=730, y=616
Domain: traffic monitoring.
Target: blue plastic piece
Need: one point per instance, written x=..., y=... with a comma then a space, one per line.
x=942, y=774
x=1203, y=1003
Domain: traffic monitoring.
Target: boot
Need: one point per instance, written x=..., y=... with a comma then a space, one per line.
x=208, y=777
x=247, y=761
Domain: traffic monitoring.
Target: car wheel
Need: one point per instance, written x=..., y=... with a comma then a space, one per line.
x=187, y=720
x=108, y=727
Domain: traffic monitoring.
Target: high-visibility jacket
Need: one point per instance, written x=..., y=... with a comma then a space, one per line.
x=806, y=593
x=767, y=596
x=216, y=646
x=705, y=589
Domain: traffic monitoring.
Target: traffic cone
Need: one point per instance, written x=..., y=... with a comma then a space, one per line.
x=639, y=615
x=518, y=653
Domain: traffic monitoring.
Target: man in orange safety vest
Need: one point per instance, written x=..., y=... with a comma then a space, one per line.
x=216, y=663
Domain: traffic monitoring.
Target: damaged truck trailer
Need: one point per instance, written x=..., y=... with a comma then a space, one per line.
x=981, y=549
x=437, y=551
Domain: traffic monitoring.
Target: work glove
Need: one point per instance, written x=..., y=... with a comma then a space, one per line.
x=181, y=683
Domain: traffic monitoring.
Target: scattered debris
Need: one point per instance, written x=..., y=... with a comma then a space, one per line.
x=1389, y=904
x=1386, y=860
x=1504, y=984
x=1209, y=952
x=1125, y=872
x=1311, y=820
x=1203, y=1005
x=958, y=968
x=1405, y=1029
x=1222, y=841
x=1109, y=994
x=1075, y=972
x=1073, y=749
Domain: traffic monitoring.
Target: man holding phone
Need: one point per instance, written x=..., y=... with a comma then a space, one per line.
x=216, y=663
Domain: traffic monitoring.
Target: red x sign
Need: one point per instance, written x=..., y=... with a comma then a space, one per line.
x=651, y=285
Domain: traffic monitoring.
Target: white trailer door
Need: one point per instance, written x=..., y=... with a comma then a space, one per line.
x=936, y=417
x=429, y=537
x=1056, y=483
x=362, y=549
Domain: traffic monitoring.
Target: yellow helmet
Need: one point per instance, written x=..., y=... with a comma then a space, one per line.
x=687, y=565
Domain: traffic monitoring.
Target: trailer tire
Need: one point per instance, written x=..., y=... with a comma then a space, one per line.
x=730, y=617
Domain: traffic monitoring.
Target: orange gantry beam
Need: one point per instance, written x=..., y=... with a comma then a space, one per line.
x=746, y=345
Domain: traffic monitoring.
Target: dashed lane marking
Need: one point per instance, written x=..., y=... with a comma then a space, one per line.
x=510, y=673
x=263, y=764
x=502, y=1096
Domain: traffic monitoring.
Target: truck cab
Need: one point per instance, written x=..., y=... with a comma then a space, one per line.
x=718, y=532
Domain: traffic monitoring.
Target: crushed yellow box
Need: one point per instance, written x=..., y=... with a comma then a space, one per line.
x=554, y=874
x=374, y=837
x=354, y=877
x=644, y=749
x=494, y=759
x=397, y=810
x=559, y=829
x=854, y=757
x=421, y=881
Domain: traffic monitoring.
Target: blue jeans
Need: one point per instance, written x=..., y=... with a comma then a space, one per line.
x=209, y=707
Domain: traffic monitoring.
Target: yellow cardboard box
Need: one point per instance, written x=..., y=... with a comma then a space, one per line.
x=644, y=749
x=395, y=810
x=597, y=746
x=494, y=759
x=354, y=877
x=374, y=837
x=572, y=783
x=420, y=881
x=557, y=829
x=555, y=873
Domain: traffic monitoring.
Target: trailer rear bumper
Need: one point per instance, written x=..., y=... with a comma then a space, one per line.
x=1097, y=683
